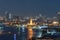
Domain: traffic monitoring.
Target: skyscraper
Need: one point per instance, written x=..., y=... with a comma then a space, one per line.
x=8, y=15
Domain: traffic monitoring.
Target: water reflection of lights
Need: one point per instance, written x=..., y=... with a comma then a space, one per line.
x=30, y=33
x=36, y=27
x=1, y=32
x=51, y=32
x=39, y=35
x=14, y=36
x=39, y=27
x=23, y=28
x=9, y=32
x=37, y=31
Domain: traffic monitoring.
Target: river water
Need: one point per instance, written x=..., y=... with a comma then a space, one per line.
x=23, y=33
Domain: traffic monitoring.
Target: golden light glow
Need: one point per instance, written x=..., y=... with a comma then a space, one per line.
x=30, y=33
x=31, y=22
x=55, y=22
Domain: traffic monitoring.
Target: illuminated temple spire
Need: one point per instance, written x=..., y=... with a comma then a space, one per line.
x=31, y=23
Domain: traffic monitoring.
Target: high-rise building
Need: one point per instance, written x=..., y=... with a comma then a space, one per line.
x=8, y=16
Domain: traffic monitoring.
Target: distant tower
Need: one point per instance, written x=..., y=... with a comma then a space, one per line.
x=8, y=16
x=40, y=15
x=31, y=22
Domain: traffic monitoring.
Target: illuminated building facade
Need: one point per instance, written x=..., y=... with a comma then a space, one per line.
x=8, y=16
x=59, y=17
x=31, y=23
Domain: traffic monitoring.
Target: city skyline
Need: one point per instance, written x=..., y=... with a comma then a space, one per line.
x=30, y=7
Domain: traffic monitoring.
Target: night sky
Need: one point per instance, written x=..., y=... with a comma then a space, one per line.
x=30, y=7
